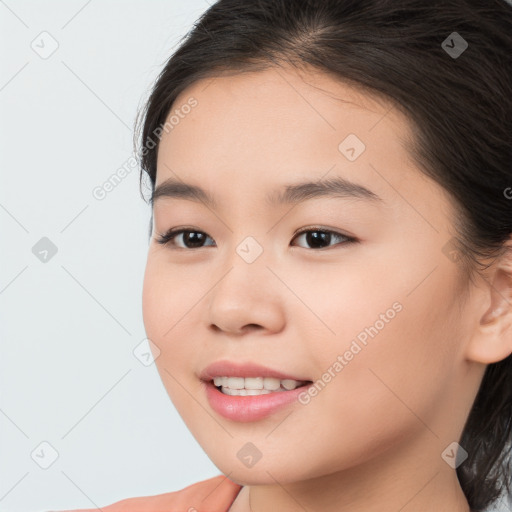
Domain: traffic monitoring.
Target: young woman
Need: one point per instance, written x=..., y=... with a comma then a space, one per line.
x=329, y=277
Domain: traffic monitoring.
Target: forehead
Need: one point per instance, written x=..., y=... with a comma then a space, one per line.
x=281, y=110
x=259, y=129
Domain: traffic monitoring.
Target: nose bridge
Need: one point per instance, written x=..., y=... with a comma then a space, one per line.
x=247, y=293
x=246, y=263
x=248, y=240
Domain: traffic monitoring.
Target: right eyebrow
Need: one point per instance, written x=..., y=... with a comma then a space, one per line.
x=294, y=193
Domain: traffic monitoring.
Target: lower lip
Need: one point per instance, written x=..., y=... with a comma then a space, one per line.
x=249, y=408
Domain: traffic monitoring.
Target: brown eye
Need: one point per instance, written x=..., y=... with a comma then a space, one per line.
x=321, y=238
x=187, y=239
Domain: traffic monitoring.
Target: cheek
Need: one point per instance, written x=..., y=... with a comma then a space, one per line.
x=167, y=297
x=390, y=346
x=168, y=310
x=153, y=301
x=389, y=390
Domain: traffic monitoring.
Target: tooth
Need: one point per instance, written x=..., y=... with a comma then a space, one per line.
x=271, y=383
x=258, y=391
x=235, y=383
x=254, y=385
x=289, y=384
x=245, y=392
x=253, y=382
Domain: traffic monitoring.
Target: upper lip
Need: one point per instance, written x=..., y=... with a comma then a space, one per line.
x=226, y=368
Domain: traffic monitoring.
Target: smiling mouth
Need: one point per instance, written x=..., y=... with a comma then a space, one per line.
x=252, y=386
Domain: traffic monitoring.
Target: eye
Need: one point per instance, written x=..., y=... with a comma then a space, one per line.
x=319, y=238
x=191, y=239
x=315, y=237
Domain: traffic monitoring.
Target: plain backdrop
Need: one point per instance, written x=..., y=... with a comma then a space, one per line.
x=69, y=324
x=84, y=419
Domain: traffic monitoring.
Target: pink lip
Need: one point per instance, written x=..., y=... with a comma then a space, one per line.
x=249, y=408
x=246, y=408
x=229, y=369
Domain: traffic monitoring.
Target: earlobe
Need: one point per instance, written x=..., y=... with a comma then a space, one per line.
x=492, y=341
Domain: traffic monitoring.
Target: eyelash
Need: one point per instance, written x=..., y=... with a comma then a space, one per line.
x=168, y=237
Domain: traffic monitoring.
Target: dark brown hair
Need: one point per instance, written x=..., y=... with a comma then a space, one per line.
x=459, y=107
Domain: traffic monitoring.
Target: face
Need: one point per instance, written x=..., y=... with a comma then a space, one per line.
x=350, y=291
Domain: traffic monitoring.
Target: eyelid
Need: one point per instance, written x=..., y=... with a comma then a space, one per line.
x=323, y=229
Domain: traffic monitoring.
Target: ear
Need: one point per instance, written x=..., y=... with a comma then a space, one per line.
x=492, y=339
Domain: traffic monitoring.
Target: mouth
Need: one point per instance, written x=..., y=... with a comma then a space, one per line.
x=253, y=386
x=247, y=404
x=245, y=392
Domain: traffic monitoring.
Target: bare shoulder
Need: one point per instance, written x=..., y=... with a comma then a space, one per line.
x=212, y=495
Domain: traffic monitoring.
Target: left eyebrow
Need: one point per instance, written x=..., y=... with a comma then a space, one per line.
x=333, y=187
x=291, y=194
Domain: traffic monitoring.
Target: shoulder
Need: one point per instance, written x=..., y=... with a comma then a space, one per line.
x=212, y=495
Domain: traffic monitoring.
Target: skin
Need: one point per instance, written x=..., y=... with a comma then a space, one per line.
x=372, y=439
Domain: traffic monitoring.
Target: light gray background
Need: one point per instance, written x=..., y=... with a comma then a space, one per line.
x=69, y=325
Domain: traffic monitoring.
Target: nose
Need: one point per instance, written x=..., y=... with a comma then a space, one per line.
x=247, y=298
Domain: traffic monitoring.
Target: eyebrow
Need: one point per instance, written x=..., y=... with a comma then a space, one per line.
x=291, y=194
